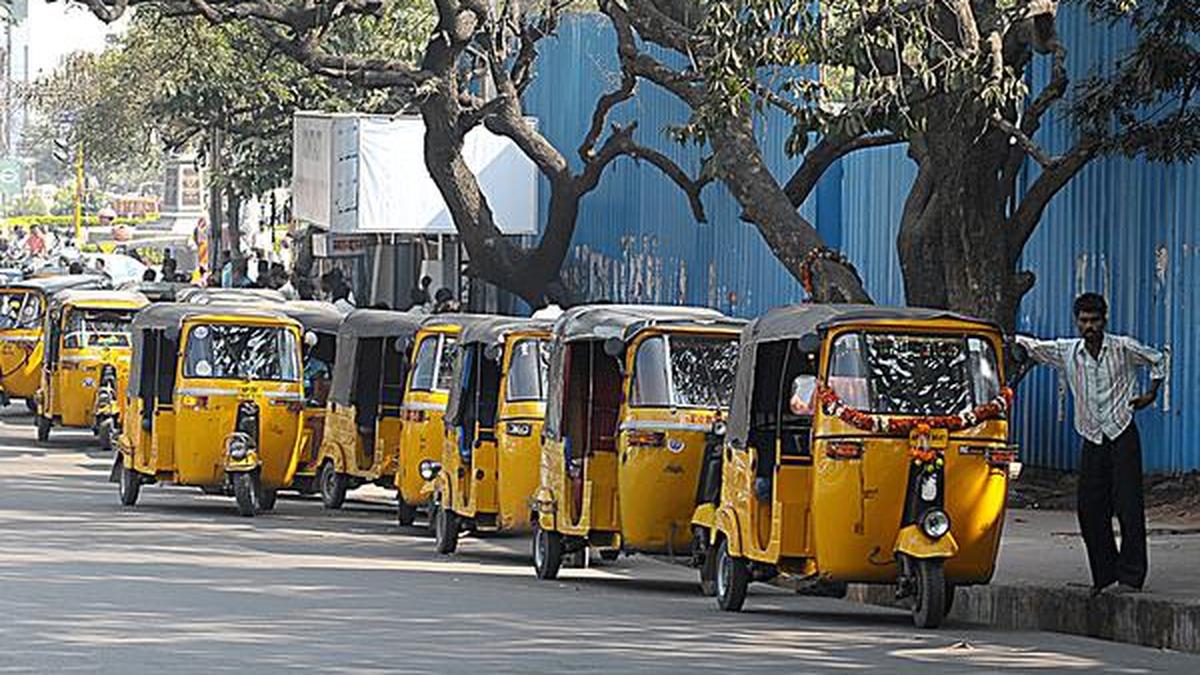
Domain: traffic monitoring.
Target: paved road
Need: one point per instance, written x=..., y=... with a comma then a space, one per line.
x=181, y=583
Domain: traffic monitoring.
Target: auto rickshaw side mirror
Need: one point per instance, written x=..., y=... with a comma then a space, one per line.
x=310, y=339
x=614, y=347
x=399, y=345
x=494, y=352
x=810, y=342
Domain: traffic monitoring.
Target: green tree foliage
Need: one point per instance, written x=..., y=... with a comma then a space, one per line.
x=952, y=79
x=172, y=81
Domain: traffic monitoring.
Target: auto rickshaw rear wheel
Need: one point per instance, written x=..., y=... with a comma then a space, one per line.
x=547, y=552
x=247, y=492
x=266, y=499
x=129, y=484
x=929, y=602
x=609, y=554
x=43, y=428
x=333, y=486
x=708, y=574
x=406, y=514
x=445, y=531
x=733, y=579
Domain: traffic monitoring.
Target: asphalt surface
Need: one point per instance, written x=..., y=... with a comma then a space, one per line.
x=180, y=583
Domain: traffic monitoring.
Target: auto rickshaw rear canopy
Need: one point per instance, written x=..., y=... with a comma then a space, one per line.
x=198, y=295
x=100, y=298
x=797, y=321
x=314, y=315
x=58, y=283
x=484, y=332
x=620, y=322
x=364, y=324
x=158, y=291
x=601, y=322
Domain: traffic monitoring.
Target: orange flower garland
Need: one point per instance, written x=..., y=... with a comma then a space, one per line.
x=833, y=405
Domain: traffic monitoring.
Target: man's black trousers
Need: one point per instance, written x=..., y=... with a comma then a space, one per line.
x=1110, y=483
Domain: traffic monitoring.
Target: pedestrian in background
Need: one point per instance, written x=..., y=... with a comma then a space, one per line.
x=1102, y=372
x=419, y=297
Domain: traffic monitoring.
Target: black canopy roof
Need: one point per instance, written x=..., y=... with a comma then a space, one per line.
x=54, y=284
x=364, y=324
x=483, y=332
x=314, y=315
x=169, y=317
x=493, y=329
x=600, y=322
x=624, y=322
x=157, y=291
x=794, y=321
x=172, y=315
x=84, y=295
x=199, y=295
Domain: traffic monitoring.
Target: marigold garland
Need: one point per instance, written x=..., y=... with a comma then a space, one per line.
x=821, y=253
x=833, y=405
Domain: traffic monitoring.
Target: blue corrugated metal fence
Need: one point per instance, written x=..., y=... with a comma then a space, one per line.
x=1127, y=228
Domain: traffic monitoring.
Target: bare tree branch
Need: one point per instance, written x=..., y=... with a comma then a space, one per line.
x=825, y=153
x=1024, y=221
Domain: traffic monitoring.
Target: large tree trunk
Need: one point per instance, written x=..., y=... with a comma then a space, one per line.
x=953, y=240
x=740, y=165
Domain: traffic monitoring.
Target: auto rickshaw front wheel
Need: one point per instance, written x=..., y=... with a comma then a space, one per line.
x=547, y=553
x=333, y=486
x=445, y=531
x=129, y=484
x=31, y=405
x=406, y=514
x=247, y=491
x=733, y=579
x=929, y=601
x=43, y=428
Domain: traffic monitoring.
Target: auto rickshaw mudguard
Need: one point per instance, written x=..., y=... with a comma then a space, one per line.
x=913, y=542
x=704, y=516
x=333, y=451
x=248, y=463
x=726, y=524
x=543, y=503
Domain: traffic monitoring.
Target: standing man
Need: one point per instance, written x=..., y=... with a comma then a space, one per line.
x=1101, y=370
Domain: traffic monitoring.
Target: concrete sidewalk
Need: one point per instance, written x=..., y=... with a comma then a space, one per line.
x=1041, y=558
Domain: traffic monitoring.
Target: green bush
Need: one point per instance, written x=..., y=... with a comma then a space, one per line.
x=69, y=221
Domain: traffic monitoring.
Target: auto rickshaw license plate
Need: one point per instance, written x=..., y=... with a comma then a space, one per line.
x=934, y=438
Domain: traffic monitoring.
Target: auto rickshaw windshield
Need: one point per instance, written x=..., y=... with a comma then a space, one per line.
x=434, y=364
x=20, y=309
x=97, y=328
x=913, y=374
x=528, y=368
x=230, y=351
x=686, y=371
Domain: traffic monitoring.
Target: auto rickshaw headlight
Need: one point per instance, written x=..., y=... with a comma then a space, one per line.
x=239, y=445
x=428, y=469
x=519, y=429
x=935, y=523
x=719, y=428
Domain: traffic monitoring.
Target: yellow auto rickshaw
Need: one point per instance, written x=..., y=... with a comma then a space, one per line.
x=865, y=444
x=22, y=347
x=86, y=367
x=490, y=458
x=215, y=401
x=426, y=393
x=633, y=391
x=362, y=426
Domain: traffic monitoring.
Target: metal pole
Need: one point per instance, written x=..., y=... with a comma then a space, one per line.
x=79, y=196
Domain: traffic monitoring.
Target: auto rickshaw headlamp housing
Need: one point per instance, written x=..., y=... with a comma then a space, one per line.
x=428, y=469
x=239, y=445
x=935, y=523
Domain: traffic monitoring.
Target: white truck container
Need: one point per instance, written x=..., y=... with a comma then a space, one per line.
x=359, y=174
